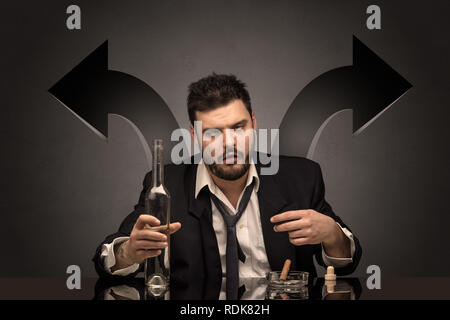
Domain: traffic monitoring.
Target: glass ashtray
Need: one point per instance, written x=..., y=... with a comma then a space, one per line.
x=294, y=280
x=286, y=293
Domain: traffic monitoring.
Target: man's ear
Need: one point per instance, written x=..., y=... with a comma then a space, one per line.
x=255, y=125
x=191, y=130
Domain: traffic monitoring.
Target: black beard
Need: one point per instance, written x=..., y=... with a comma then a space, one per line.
x=229, y=175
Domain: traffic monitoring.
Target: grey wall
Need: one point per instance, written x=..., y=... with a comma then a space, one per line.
x=64, y=189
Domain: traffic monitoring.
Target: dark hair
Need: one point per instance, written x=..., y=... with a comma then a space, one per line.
x=215, y=91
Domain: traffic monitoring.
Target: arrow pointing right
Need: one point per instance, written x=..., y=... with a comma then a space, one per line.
x=369, y=86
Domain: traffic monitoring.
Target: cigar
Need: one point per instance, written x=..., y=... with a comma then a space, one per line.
x=285, y=271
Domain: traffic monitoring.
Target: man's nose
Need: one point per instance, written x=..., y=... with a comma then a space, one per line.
x=230, y=139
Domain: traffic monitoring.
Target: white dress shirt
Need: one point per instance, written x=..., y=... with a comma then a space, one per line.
x=248, y=232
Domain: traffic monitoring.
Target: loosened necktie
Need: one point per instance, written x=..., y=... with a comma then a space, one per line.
x=233, y=251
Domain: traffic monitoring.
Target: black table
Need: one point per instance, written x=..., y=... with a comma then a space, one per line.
x=346, y=288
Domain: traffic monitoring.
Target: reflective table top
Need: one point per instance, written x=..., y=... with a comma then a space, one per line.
x=255, y=289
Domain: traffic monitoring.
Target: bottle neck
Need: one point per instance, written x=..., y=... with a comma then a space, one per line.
x=158, y=166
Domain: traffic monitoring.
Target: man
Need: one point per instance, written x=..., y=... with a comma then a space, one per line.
x=231, y=222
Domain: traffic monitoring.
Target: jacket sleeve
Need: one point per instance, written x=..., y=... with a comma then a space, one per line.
x=124, y=231
x=319, y=204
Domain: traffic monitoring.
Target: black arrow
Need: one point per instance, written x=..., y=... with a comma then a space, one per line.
x=369, y=87
x=92, y=91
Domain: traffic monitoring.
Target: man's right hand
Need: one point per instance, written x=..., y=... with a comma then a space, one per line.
x=143, y=243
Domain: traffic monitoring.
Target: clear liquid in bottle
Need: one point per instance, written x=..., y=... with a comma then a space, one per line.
x=157, y=204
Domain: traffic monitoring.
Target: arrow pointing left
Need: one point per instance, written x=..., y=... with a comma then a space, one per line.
x=91, y=91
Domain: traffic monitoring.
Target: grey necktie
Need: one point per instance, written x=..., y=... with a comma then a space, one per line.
x=233, y=251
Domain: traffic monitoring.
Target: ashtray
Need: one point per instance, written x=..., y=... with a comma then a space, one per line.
x=287, y=293
x=294, y=280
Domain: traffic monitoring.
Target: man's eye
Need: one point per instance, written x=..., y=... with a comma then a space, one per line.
x=211, y=133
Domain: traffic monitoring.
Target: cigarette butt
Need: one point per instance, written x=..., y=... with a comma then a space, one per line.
x=285, y=271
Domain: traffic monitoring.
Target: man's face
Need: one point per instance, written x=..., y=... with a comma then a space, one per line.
x=226, y=136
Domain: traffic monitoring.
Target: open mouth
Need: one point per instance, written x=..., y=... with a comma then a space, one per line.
x=231, y=158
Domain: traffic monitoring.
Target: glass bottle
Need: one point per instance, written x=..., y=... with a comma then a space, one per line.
x=157, y=204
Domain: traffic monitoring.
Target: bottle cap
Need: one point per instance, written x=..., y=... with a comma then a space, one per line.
x=330, y=286
x=330, y=276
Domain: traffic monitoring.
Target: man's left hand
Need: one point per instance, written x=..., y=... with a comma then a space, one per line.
x=307, y=227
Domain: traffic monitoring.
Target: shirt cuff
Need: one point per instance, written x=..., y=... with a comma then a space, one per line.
x=122, y=292
x=109, y=259
x=340, y=262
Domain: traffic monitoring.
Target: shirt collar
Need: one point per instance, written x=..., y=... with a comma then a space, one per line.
x=203, y=178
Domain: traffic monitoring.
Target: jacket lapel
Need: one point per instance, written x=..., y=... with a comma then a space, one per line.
x=200, y=208
x=272, y=202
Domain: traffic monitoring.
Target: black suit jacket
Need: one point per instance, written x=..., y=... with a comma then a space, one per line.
x=195, y=263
